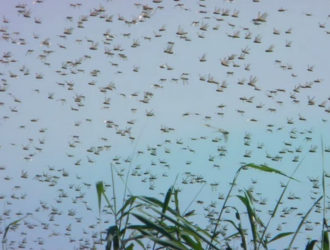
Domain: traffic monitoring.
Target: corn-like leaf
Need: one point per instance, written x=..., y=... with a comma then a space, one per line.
x=279, y=236
x=176, y=201
x=100, y=192
x=155, y=203
x=310, y=245
x=141, y=244
x=151, y=200
x=128, y=202
x=187, y=227
x=167, y=199
x=252, y=216
x=112, y=238
x=198, y=241
x=325, y=240
x=190, y=242
x=228, y=247
x=130, y=247
x=190, y=213
x=241, y=232
x=172, y=244
x=154, y=226
x=267, y=169
x=279, y=201
x=233, y=183
x=128, y=212
x=11, y=224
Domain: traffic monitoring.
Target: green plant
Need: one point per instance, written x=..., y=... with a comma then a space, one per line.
x=165, y=226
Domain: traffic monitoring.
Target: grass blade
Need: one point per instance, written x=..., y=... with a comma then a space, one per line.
x=279, y=202
x=170, y=244
x=112, y=238
x=128, y=202
x=241, y=233
x=130, y=247
x=324, y=236
x=187, y=227
x=252, y=216
x=9, y=225
x=154, y=226
x=155, y=202
x=233, y=183
x=302, y=222
x=310, y=245
x=325, y=241
x=100, y=191
x=167, y=199
x=267, y=169
x=190, y=242
x=195, y=197
x=279, y=236
x=176, y=201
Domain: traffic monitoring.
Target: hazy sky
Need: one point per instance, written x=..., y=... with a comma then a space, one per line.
x=83, y=84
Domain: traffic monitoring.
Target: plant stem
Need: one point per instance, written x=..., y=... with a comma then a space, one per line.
x=278, y=203
x=302, y=222
x=223, y=206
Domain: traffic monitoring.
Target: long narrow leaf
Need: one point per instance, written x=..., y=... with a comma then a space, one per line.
x=176, y=201
x=251, y=214
x=278, y=203
x=100, y=191
x=302, y=222
x=11, y=224
x=155, y=202
x=186, y=226
x=127, y=203
x=130, y=247
x=267, y=169
x=167, y=199
x=279, y=236
x=310, y=245
x=233, y=183
x=172, y=244
x=241, y=232
x=154, y=226
x=325, y=240
x=324, y=236
x=190, y=242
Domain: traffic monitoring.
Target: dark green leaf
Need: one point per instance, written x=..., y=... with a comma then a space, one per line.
x=302, y=221
x=310, y=245
x=241, y=232
x=130, y=247
x=186, y=226
x=190, y=213
x=279, y=236
x=100, y=192
x=246, y=200
x=172, y=244
x=228, y=247
x=190, y=242
x=128, y=202
x=11, y=224
x=237, y=216
x=176, y=201
x=154, y=226
x=266, y=169
x=167, y=200
x=325, y=239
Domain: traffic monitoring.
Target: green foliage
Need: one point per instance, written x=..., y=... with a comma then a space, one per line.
x=4, y=237
x=162, y=224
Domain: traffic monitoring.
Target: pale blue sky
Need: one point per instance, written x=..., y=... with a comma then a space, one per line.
x=69, y=134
